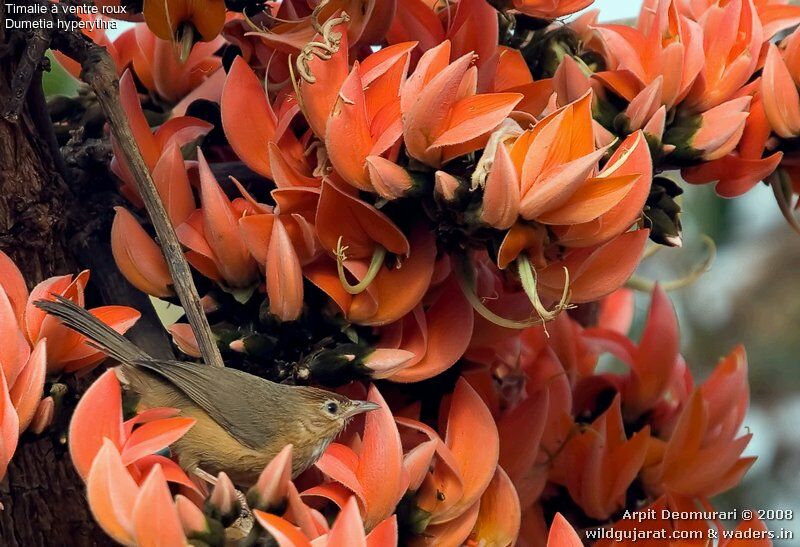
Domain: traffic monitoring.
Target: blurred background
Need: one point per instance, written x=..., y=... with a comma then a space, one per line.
x=751, y=296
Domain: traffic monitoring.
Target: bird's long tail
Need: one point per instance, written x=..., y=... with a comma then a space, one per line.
x=100, y=335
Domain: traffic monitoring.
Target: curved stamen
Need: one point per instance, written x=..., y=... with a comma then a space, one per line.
x=643, y=284
x=651, y=250
x=375, y=264
x=527, y=275
x=466, y=281
x=186, y=42
x=323, y=49
x=258, y=29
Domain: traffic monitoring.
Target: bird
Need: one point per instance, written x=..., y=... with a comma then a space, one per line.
x=242, y=420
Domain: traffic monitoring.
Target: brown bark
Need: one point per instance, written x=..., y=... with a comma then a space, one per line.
x=43, y=497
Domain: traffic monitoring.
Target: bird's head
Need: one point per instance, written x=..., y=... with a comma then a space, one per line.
x=328, y=412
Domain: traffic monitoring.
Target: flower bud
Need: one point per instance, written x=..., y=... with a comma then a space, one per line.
x=183, y=337
x=710, y=135
x=138, y=257
x=43, y=416
x=446, y=186
x=338, y=365
x=390, y=180
x=269, y=493
x=223, y=504
x=192, y=519
x=384, y=362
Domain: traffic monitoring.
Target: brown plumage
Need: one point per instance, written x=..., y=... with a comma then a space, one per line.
x=243, y=421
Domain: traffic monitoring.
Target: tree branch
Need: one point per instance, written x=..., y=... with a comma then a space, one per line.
x=98, y=70
x=32, y=56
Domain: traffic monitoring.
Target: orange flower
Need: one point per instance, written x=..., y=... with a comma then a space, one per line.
x=131, y=514
x=469, y=25
x=176, y=131
x=274, y=492
x=732, y=38
x=436, y=333
x=368, y=23
x=451, y=494
x=616, y=311
x=66, y=350
x=97, y=421
x=595, y=272
x=443, y=117
x=384, y=363
x=549, y=174
x=192, y=518
x=10, y=415
x=704, y=432
x=775, y=15
x=347, y=529
x=138, y=257
x=712, y=134
x=380, y=303
x=361, y=227
x=665, y=46
x=283, y=241
x=562, y=534
x=170, y=19
x=278, y=242
x=250, y=131
x=779, y=84
x=223, y=500
x=374, y=474
x=416, y=20
x=158, y=65
x=216, y=246
x=523, y=458
x=161, y=70
x=499, y=516
x=121, y=50
x=550, y=9
x=746, y=166
x=598, y=465
x=34, y=345
x=272, y=487
x=316, y=99
x=365, y=123
x=655, y=361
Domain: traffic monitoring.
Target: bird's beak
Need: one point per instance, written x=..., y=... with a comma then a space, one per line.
x=360, y=407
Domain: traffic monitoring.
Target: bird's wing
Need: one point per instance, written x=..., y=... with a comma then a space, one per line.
x=236, y=400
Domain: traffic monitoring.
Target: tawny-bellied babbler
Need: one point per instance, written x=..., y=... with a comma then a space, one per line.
x=243, y=421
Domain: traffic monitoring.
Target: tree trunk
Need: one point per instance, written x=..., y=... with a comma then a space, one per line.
x=43, y=497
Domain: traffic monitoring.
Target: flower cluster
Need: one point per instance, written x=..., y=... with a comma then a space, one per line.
x=36, y=349
x=603, y=442
x=705, y=78
x=396, y=471
x=445, y=198
x=596, y=444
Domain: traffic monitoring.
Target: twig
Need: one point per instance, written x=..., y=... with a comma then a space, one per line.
x=37, y=108
x=32, y=56
x=98, y=70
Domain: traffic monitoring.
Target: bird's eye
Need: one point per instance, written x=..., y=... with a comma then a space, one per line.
x=332, y=407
